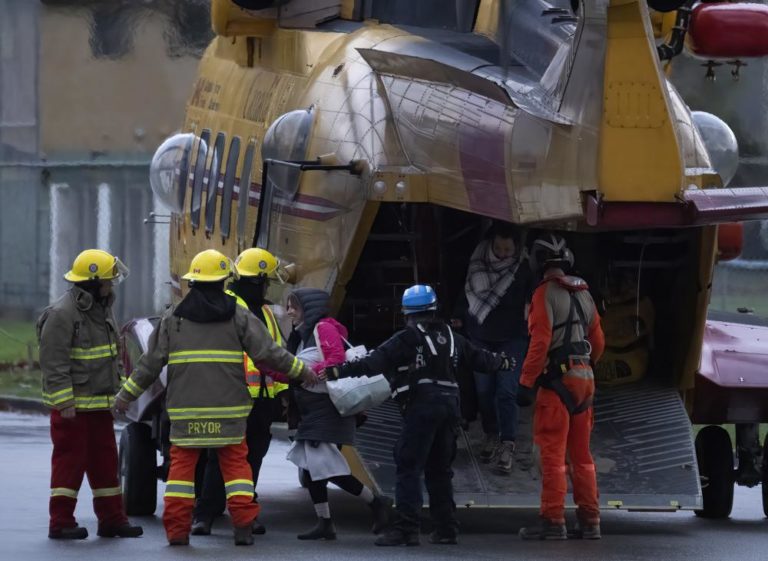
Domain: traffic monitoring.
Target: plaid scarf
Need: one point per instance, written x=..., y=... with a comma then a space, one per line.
x=488, y=279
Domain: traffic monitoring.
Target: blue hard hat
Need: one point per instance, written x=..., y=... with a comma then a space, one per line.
x=419, y=298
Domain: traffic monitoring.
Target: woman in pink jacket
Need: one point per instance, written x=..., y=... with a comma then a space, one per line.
x=320, y=341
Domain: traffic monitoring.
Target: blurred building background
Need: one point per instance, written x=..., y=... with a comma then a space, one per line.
x=88, y=90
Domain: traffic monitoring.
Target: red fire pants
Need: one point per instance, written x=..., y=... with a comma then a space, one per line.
x=180, y=488
x=557, y=433
x=84, y=445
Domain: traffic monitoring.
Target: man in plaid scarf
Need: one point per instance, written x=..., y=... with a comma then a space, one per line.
x=497, y=290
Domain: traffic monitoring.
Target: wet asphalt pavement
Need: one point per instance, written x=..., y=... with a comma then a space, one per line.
x=286, y=510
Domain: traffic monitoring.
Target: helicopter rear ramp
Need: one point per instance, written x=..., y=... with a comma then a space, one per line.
x=642, y=445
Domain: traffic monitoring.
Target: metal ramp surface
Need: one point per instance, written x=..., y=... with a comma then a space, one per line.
x=642, y=445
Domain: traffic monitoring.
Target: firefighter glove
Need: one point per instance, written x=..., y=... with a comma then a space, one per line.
x=525, y=396
x=507, y=362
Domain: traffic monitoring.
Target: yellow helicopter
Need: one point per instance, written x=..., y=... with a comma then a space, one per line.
x=367, y=142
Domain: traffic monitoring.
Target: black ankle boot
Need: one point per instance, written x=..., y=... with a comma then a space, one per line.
x=323, y=530
x=243, y=535
x=123, y=531
x=73, y=533
x=382, y=512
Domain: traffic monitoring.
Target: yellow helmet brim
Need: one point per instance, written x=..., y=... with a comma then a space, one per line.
x=205, y=278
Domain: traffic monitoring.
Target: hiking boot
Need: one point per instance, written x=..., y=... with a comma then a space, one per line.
x=382, y=511
x=179, y=540
x=123, y=531
x=506, y=457
x=73, y=533
x=586, y=531
x=257, y=528
x=444, y=537
x=202, y=527
x=323, y=530
x=488, y=450
x=548, y=530
x=396, y=536
x=243, y=535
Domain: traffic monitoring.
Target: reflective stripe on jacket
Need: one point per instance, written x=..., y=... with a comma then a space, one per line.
x=207, y=398
x=252, y=373
x=79, y=353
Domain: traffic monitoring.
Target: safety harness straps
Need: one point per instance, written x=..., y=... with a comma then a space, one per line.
x=569, y=355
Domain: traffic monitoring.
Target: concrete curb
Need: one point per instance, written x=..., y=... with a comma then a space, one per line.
x=22, y=405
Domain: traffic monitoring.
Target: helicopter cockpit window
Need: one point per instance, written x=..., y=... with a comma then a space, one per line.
x=287, y=139
x=214, y=173
x=244, y=193
x=425, y=13
x=225, y=218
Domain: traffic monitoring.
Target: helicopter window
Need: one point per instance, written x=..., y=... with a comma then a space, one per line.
x=214, y=174
x=287, y=139
x=424, y=13
x=197, y=178
x=245, y=188
x=229, y=186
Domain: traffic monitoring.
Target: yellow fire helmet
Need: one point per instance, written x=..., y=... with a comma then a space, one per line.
x=209, y=266
x=256, y=262
x=95, y=264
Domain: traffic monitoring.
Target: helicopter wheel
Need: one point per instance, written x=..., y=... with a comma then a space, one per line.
x=714, y=453
x=764, y=482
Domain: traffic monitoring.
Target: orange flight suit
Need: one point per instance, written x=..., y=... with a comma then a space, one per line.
x=557, y=433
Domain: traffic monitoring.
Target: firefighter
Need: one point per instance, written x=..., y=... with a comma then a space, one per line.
x=202, y=340
x=81, y=373
x=421, y=362
x=566, y=339
x=255, y=267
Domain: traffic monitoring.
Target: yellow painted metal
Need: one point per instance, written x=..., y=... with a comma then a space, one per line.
x=486, y=22
x=639, y=155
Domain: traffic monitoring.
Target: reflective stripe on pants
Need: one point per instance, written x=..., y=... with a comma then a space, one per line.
x=177, y=516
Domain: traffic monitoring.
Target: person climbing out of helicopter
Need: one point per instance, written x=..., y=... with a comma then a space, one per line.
x=491, y=310
x=566, y=339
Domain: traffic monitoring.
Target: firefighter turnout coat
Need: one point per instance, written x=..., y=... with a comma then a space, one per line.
x=79, y=352
x=207, y=397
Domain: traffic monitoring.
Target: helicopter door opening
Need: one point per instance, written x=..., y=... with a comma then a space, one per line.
x=646, y=285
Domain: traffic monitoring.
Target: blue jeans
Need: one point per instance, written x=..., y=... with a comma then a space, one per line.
x=496, y=393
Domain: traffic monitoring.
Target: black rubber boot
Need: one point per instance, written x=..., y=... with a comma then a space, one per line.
x=202, y=527
x=444, y=536
x=124, y=531
x=73, y=533
x=586, y=531
x=257, y=528
x=382, y=512
x=244, y=535
x=396, y=536
x=548, y=530
x=323, y=530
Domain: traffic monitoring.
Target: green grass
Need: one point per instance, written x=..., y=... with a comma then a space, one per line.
x=20, y=383
x=16, y=337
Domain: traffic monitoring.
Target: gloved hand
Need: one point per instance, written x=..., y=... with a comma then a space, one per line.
x=507, y=362
x=332, y=372
x=525, y=396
